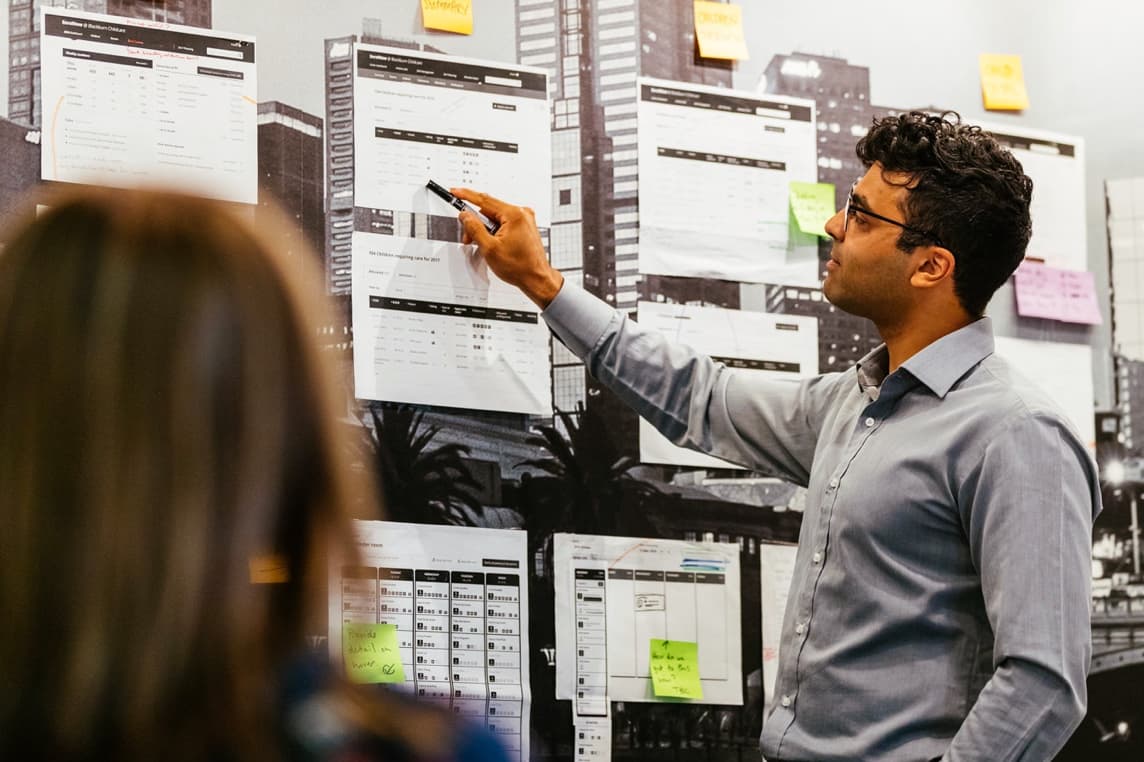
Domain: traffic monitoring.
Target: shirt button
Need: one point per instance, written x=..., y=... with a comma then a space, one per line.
x=786, y=701
x=817, y=558
x=799, y=628
x=834, y=482
x=870, y=422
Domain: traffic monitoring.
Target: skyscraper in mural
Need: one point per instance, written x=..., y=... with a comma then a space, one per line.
x=290, y=168
x=24, y=40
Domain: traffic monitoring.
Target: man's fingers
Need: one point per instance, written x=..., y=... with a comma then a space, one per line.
x=490, y=205
x=475, y=231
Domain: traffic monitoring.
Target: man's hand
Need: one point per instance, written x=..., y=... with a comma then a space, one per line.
x=515, y=253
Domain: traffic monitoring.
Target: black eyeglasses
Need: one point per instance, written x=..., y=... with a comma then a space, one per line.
x=852, y=207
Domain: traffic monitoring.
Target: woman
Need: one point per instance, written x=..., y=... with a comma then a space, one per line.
x=165, y=419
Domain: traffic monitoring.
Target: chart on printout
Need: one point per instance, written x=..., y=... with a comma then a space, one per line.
x=420, y=117
x=189, y=97
x=778, y=346
x=434, y=326
x=1056, y=165
x=458, y=597
x=715, y=168
x=614, y=595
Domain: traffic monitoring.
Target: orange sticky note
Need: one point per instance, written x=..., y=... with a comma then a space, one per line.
x=448, y=15
x=719, y=30
x=270, y=569
x=1002, y=82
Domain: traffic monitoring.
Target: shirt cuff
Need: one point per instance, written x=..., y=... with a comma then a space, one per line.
x=579, y=319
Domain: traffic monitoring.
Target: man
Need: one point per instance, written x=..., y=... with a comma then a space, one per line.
x=940, y=601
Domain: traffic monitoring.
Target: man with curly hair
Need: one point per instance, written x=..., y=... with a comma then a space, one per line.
x=940, y=602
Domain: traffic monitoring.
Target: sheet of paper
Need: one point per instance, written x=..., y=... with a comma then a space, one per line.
x=458, y=597
x=1049, y=292
x=666, y=589
x=1002, y=82
x=130, y=103
x=372, y=653
x=1063, y=371
x=674, y=666
x=812, y=205
x=448, y=15
x=1125, y=199
x=719, y=31
x=715, y=168
x=1055, y=163
x=593, y=741
x=776, y=563
x=433, y=326
x=779, y=346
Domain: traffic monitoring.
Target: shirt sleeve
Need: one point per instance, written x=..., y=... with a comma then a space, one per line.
x=766, y=424
x=1028, y=512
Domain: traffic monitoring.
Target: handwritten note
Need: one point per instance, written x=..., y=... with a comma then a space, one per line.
x=372, y=653
x=719, y=31
x=448, y=15
x=812, y=205
x=675, y=669
x=1049, y=292
x=269, y=569
x=1002, y=82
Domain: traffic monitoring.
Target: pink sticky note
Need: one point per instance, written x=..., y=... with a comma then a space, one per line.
x=1049, y=292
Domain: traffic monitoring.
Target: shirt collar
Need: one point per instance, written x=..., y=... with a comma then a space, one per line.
x=939, y=365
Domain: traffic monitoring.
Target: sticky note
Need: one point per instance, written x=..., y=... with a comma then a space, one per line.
x=448, y=15
x=372, y=653
x=719, y=30
x=269, y=569
x=1056, y=294
x=675, y=669
x=1003, y=82
x=812, y=205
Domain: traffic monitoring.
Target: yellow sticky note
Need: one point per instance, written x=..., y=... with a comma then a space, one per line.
x=448, y=15
x=1003, y=82
x=675, y=669
x=719, y=30
x=269, y=569
x=372, y=653
x=813, y=205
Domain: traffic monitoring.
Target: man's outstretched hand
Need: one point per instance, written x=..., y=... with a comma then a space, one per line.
x=516, y=253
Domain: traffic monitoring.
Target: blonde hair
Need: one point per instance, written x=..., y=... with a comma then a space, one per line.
x=165, y=417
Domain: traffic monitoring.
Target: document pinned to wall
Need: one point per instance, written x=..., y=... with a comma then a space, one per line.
x=432, y=324
x=455, y=601
x=1049, y=292
x=129, y=103
x=776, y=346
x=776, y=563
x=719, y=31
x=625, y=592
x=736, y=154
x=1055, y=163
x=1063, y=371
x=1002, y=82
x=448, y=15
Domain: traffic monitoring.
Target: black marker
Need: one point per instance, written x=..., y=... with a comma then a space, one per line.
x=461, y=206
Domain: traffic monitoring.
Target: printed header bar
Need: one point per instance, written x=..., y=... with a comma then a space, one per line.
x=170, y=41
x=445, y=72
x=728, y=103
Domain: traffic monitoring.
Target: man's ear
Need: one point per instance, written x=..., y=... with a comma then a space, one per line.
x=935, y=266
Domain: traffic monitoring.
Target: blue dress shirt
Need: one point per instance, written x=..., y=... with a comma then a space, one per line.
x=941, y=592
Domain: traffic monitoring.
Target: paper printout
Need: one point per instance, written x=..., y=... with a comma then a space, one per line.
x=1002, y=82
x=448, y=15
x=593, y=741
x=459, y=599
x=432, y=325
x=779, y=346
x=1056, y=165
x=1049, y=292
x=719, y=30
x=715, y=168
x=1063, y=371
x=777, y=565
x=130, y=102
x=628, y=591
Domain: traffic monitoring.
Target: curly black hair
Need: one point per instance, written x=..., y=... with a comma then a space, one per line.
x=965, y=190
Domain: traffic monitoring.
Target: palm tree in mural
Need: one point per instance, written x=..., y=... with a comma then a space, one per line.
x=420, y=484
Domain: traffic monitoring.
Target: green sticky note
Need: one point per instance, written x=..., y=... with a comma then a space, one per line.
x=812, y=205
x=371, y=653
x=675, y=669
